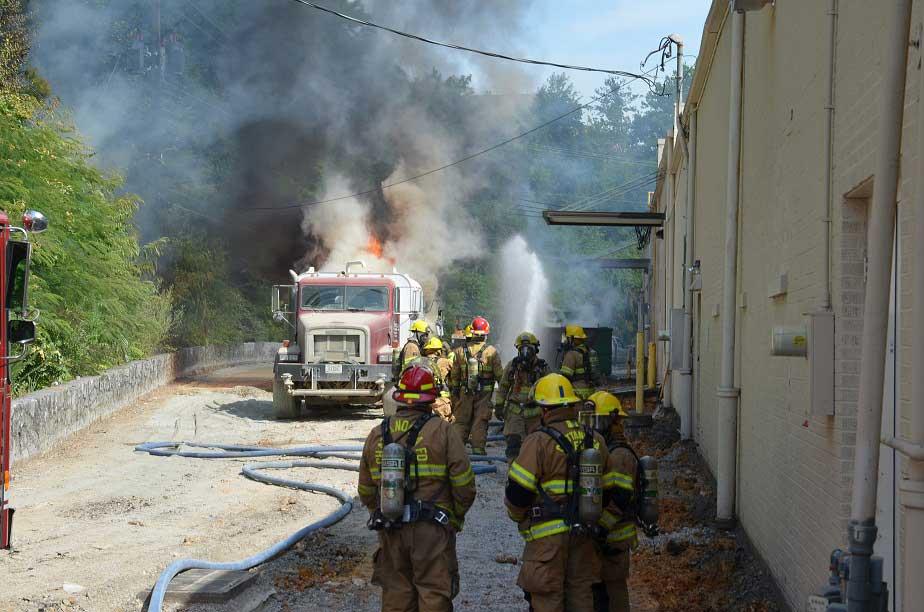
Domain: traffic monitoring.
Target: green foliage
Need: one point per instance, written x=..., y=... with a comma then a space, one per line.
x=87, y=270
x=208, y=305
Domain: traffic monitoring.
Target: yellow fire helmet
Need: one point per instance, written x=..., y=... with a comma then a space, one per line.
x=526, y=338
x=606, y=404
x=420, y=326
x=434, y=344
x=554, y=390
x=575, y=331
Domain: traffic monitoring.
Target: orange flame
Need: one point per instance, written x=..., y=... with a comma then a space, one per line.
x=374, y=246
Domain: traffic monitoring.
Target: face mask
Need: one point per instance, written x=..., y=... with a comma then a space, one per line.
x=528, y=352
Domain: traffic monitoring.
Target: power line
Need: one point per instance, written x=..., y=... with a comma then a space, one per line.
x=622, y=73
x=441, y=168
x=589, y=155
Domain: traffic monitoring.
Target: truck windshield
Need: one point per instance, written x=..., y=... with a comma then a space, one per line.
x=352, y=298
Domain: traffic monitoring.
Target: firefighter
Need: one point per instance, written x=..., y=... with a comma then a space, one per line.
x=476, y=368
x=417, y=499
x=441, y=367
x=420, y=333
x=512, y=403
x=579, y=363
x=561, y=562
x=618, y=520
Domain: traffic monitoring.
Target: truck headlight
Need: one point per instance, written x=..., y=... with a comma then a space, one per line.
x=385, y=357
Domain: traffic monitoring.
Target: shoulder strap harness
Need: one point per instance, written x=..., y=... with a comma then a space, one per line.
x=410, y=456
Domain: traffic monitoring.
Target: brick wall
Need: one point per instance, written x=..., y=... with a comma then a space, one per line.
x=795, y=469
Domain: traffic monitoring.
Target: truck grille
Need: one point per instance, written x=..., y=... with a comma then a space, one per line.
x=336, y=345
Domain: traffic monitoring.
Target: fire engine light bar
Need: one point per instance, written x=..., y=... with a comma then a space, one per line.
x=613, y=219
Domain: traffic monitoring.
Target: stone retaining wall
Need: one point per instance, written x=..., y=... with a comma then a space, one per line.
x=43, y=418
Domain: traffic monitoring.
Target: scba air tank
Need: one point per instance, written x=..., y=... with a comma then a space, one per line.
x=472, y=374
x=648, y=504
x=391, y=490
x=590, y=486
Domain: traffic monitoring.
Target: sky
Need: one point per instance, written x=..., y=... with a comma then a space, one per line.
x=612, y=34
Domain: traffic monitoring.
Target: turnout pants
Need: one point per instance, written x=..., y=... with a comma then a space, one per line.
x=417, y=569
x=472, y=415
x=559, y=572
x=614, y=592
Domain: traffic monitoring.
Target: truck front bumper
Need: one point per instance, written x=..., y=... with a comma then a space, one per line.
x=339, y=381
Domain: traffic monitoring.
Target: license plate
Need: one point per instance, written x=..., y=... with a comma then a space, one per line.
x=817, y=604
x=333, y=368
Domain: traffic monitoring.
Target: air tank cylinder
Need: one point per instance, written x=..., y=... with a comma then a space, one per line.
x=590, y=487
x=391, y=489
x=648, y=504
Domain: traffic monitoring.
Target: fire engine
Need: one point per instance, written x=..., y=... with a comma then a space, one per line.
x=17, y=331
x=343, y=330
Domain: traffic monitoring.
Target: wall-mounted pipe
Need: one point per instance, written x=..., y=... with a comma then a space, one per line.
x=685, y=378
x=668, y=196
x=727, y=393
x=912, y=486
x=829, y=150
x=861, y=532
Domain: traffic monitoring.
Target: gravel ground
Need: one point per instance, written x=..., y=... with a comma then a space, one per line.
x=97, y=522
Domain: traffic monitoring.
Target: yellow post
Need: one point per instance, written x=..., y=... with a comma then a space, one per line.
x=652, y=365
x=640, y=372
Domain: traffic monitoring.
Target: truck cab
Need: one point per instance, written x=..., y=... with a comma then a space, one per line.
x=343, y=329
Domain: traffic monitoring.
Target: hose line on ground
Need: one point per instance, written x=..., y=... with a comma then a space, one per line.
x=253, y=472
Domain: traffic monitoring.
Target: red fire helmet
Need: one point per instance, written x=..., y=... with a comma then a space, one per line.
x=480, y=326
x=417, y=386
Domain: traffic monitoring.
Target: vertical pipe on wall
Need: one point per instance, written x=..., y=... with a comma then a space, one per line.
x=727, y=393
x=829, y=150
x=862, y=528
x=912, y=486
x=671, y=209
x=685, y=379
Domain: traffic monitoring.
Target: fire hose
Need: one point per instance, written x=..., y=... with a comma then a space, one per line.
x=252, y=471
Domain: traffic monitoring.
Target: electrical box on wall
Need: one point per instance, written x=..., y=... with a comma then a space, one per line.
x=789, y=342
x=821, y=362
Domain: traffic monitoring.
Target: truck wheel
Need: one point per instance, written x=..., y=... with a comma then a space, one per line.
x=284, y=405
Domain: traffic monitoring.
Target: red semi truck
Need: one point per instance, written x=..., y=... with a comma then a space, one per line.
x=17, y=330
x=343, y=329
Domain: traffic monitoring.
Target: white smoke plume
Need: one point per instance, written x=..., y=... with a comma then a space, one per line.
x=524, y=292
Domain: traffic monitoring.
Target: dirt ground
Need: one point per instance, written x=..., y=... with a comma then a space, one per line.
x=100, y=517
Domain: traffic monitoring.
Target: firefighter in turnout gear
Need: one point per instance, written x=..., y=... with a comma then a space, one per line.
x=412, y=349
x=512, y=402
x=579, y=363
x=618, y=520
x=555, y=492
x=441, y=367
x=416, y=480
x=474, y=371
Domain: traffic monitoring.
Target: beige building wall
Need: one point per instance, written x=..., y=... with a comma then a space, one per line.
x=794, y=468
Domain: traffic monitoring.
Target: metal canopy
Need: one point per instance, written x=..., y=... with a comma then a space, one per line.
x=590, y=218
